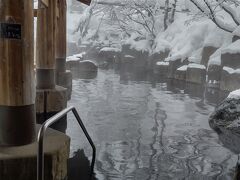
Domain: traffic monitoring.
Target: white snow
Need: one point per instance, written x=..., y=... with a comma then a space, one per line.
x=142, y=45
x=162, y=63
x=84, y=61
x=129, y=56
x=162, y=45
x=233, y=48
x=110, y=49
x=237, y=31
x=185, y=38
x=80, y=55
x=139, y=45
x=183, y=68
x=196, y=66
x=231, y=70
x=234, y=94
x=189, y=39
x=72, y=58
x=196, y=56
x=76, y=57
x=186, y=41
x=216, y=60
x=192, y=65
x=217, y=37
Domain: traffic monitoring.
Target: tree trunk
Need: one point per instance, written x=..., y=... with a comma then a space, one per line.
x=166, y=14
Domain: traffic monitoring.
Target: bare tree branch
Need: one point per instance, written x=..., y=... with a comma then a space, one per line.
x=211, y=15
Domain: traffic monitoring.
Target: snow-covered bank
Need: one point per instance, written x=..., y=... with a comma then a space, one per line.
x=188, y=43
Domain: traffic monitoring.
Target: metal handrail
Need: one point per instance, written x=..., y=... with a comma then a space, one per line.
x=41, y=133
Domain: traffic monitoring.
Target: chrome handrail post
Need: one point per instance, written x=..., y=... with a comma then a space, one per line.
x=40, y=157
x=41, y=134
x=88, y=138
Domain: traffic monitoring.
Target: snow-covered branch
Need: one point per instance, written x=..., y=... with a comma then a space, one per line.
x=208, y=9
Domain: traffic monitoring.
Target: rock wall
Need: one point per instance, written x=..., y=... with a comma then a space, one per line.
x=161, y=70
x=173, y=66
x=196, y=75
x=231, y=60
x=155, y=57
x=229, y=81
x=206, y=53
x=141, y=57
x=214, y=72
x=180, y=75
x=131, y=59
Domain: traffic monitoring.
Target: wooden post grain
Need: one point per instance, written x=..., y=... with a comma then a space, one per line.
x=61, y=35
x=45, y=51
x=17, y=88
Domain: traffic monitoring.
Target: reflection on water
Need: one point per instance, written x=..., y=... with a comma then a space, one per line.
x=147, y=128
x=77, y=74
x=79, y=166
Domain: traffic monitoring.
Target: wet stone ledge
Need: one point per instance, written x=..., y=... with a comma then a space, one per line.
x=20, y=162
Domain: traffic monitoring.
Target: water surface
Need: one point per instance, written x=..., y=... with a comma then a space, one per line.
x=149, y=129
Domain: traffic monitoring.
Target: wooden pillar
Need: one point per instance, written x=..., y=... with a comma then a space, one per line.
x=45, y=49
x=61, y=36
x=63, y=77
x=17, y=88
x=50, y=98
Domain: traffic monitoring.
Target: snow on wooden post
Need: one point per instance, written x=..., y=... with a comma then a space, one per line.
x=61, y=36
x=17, y=90
x=45, y=49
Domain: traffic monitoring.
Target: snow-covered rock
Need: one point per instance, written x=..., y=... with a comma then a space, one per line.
x=214, y=72
x=231, y=70
x=225, y=121
x=186, y=41
x=162, y=63
x=76, y=57
x=226, y=115
x=196, y=73
x=73, y=58
x=230, y=79
x=231, y=55
x=233, y=48
x=215, y=60
x=80, y=55
x=161, y=68
x=155, y=57
x=196, y=66
x=234, y=94
x=206, y=53
x=110, y=54
x=183, y=68
x=128, y=59
x=139, y=45
x=87, y=66
x=110, y=49
x=129, y=56
x=181, y=72
x=140, y=57
x=173, y=66
x=74, y=63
